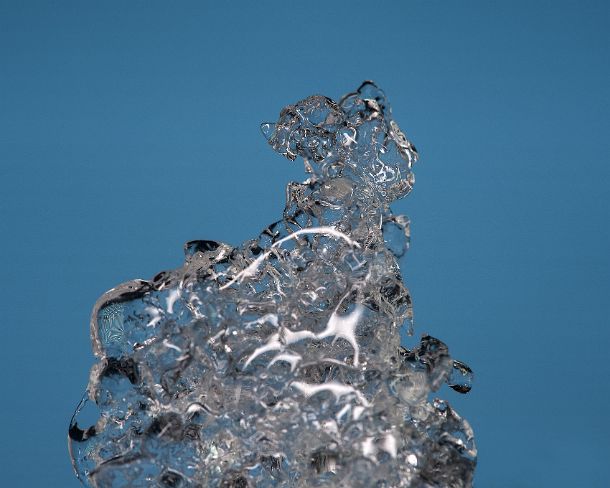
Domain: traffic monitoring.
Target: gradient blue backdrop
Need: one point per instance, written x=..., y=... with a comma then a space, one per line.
x=127, y=128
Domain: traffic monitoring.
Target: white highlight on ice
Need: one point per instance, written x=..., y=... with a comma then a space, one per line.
x=337, y=389
x=292, y=359
x=338, y=326
x=277, y=343
x=168, y=344
x=387, y=443
x=269, y=318
x=253, y=267
x=155, y=313
x=344, y=326
x=172, y=297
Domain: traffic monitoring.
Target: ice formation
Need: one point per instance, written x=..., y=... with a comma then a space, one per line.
x=279, y=363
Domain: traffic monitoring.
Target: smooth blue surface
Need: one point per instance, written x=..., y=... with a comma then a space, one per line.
x=127, y=128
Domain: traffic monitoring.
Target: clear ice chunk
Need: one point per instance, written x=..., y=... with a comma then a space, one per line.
x=278, y=363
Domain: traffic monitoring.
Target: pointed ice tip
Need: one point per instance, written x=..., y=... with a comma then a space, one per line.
x=267, y=129
x=369, y=89
x=366, y=83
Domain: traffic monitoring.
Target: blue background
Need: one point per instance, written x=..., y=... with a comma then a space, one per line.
x=127, y=128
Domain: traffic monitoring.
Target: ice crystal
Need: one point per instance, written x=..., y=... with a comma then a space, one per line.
x=279, y=362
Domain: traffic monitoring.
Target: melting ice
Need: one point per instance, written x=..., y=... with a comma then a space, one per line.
x=278, y=363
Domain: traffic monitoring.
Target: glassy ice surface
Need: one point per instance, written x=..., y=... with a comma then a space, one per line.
x=279, y=363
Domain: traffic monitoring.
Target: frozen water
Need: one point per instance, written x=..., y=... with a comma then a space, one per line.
x=278, y=363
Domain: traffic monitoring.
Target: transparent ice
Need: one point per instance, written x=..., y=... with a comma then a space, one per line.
x=278, y=363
